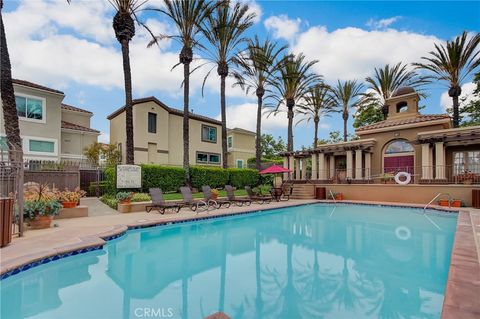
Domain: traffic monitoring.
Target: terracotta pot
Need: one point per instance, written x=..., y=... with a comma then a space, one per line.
x=69, y=204
x=339, y=197
x=41, y=222
x=126, y=201
x=456, y=203
x=214, y=196
x=443, y=202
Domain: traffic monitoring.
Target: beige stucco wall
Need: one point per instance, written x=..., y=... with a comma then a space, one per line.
x=243, y=148
x=78, y=118
x=73, y=143
x=30, y=129
x=418, y=194
x=117, y=132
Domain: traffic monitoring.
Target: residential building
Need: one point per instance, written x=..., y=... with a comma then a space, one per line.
x=158, y=135
x=50, y=129
x=241, y=147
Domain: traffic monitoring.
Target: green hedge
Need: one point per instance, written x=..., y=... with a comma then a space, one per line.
x=241, y=177
x=110, y=187
x=169, y=179
x=212, y=176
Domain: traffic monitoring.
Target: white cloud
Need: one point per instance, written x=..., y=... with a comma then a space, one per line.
x=467, y=94
x=282, y=26
x=104, y=138
x=352, y=53
x=382, y=23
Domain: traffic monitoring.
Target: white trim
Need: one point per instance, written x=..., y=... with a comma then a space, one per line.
x=26, y=145
x=243, y=150
x=74, y=156
x=44, y=108
x=229, y=148
x=68, y=130
x=38, y=89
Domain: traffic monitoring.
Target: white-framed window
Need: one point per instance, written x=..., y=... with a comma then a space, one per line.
x=208, y=158
x=230, y=141
x=467, y=161
x=239, y=163
x=31, y=108
x=35, y=145
x=209, y=134
x=3, y=143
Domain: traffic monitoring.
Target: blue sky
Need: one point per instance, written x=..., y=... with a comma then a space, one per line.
x=73, y=48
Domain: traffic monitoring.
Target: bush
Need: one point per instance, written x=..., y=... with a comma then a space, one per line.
x=212, y=176
x=241, y=177
x=140, y=197
x=169, y=179
x=110, y=187
x=109, y=200
x=262, y=190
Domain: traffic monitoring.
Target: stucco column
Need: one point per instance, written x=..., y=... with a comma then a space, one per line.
x=426, y=162
x=368, y=165
x=314, y=167
x=291, y=166
x=439, y=161
x=331, y=161
x=285, y=165
x=358, y=164
x=322, y=173
x=297, y=168
x=349, y=164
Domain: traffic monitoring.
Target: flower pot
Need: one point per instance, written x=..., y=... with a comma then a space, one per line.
x=214, y=196
x=456, y=203
x=443, y=202
x=126, y=201
x=69, y=204
x=41, y=222
x=339, y=197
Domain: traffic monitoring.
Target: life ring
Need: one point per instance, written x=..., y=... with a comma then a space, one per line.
x=403, y=233
x=407, y=176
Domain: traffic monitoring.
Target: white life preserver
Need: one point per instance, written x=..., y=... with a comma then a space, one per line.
x=408, y=178
x=403, y=233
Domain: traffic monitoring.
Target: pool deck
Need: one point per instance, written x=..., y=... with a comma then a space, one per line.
x=463, y=285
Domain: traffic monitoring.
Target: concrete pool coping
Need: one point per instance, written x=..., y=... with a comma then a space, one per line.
x=80, y=235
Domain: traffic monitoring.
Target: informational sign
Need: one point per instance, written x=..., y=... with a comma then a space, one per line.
x=129, y=176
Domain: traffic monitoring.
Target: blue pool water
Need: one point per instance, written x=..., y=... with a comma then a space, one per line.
x=313, y=261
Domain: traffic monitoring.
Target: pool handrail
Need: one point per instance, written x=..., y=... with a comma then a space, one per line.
x=437, y=196
x=333, y=197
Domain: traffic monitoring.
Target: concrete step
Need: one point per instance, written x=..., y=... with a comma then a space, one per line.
x=303, y=191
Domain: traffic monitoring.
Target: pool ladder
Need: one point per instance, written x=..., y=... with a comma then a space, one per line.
x=430, y=202
x=334, y=202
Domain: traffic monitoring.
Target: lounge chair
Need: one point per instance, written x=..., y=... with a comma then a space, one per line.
x=287, y=190
x=217, y=203
x=159, y=204
x=237, y=201
x=188, y=200
x=257, y=198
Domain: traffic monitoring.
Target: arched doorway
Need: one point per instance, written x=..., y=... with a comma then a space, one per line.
x=398, y=156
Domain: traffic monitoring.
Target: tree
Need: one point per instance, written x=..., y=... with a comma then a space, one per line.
x=336, y=137
x=386, y=81
x=366, y=115
x=92, y=152
x=224, y=30
x=270, y=147
x=10, y=115
x=110, y=152
x=452, y=63
x=257, y=64
x=346, y=96
x=187, y=17
x=292, y=83
x=470, y=113
x=318, y=103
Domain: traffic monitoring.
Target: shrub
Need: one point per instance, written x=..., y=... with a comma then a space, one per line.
x=109, y=200
x=212, y=176
x=121, y=196
x=241, y=177
x=141, y=197
x=169, y=179
x=263, y=189
x=110, y=186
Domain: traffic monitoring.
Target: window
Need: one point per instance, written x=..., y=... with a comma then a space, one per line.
x=239, y=163
x=3, y=143
x=399, y=146
x=466, y=162
x=208, y=158
x=41, y=146
x=230, y=141
x=119, y=148
x=209, y=134
x=30, y=108
x=152, y=122
x=402, y=107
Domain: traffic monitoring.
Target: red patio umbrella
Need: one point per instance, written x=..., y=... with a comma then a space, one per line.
x=275, y=169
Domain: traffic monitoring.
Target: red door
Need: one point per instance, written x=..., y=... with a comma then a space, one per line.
x=395, y=164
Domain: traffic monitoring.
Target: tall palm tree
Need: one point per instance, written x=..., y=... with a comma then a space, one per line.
x=187, y=16
x=453, y=63
x=318, y=103
x=10, y=116
x=224, y=29
x=388, y=79
x=346, y=95
x=292, y=83
x=256, y=65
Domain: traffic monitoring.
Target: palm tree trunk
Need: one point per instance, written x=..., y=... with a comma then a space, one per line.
x=224, y=120
x=315, y=138
x=186, y=126
x=258, y=145
x=10, y=115
x=345, y=126
x=456, y=113
x=130, y=158
x=290, y=106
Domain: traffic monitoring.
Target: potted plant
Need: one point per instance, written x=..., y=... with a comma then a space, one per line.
x=214, y=193
x=387, y=177
x=70, y=199
x=337, y=196
x=467, y=177
x=456, y=203
x=444, y=202
x=124, y=197
x=41, y=204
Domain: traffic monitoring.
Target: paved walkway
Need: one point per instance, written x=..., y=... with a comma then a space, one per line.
x=97, y=208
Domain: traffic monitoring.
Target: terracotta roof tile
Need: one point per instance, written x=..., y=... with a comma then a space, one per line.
x=74, y=108
x=35, y=86
x=403, y=121
x=76, y=127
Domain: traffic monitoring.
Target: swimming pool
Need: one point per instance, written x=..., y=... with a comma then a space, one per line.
x=313, y=261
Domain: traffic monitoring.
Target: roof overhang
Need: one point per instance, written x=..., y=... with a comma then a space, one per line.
x=403, y=126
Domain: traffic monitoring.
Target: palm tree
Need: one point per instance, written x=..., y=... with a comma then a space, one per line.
x=187, y=16
x=256, y=65
x=224, y=30
x=346, y=96
x=292, y=83
x=388, y=79
x=10, y=115
x=318, y=103
x=453, y=63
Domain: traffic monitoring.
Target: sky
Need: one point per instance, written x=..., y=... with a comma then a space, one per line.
x=72, y=47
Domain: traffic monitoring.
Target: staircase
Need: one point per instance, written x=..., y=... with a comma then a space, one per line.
x=303, y=191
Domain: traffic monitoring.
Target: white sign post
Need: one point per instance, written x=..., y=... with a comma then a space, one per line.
x=129, y=176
